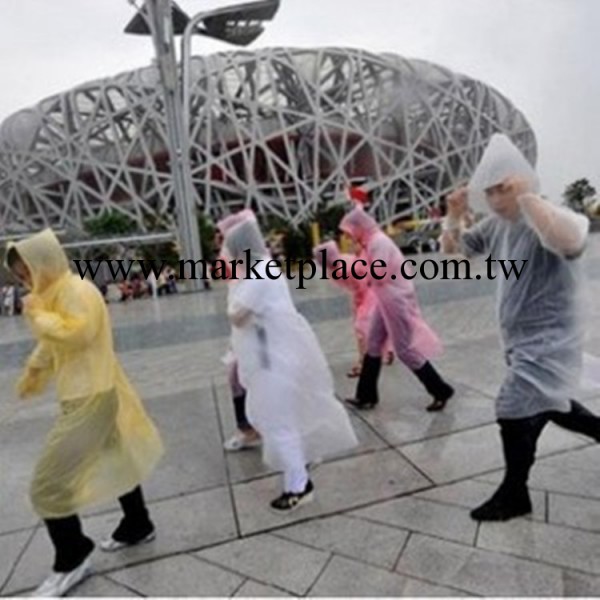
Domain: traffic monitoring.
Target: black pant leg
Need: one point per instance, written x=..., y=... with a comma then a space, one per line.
x=239, y=405
x=135, y=524
x=71, y=546
x=579, y=419
x=519, y=444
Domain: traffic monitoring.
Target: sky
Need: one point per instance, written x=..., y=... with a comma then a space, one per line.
x=541, y=54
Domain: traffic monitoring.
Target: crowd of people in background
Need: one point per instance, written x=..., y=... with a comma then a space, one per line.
x=10, y=300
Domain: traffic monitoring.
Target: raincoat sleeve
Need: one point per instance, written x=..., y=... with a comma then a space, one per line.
x=73, y=322
x=559, y=229
x=41, y=358
x=37, y=373
x=476, y=240
x=245, y=301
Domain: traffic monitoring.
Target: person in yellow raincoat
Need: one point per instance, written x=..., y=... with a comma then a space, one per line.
x=103, y=444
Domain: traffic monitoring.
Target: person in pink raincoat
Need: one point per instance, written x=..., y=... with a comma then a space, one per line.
x=364, y=302
x=397, y=316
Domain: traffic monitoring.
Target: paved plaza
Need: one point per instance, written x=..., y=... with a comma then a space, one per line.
x=389, y=519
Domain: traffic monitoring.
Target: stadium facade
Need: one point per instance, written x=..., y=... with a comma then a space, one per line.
x=278, y=129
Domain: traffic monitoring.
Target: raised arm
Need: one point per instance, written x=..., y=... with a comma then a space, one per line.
x=559, y=229
x=454, y=221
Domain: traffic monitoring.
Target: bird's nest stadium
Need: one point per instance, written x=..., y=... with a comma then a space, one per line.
x=280, y=130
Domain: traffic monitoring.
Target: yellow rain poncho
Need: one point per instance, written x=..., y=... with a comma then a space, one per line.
x=103, y=443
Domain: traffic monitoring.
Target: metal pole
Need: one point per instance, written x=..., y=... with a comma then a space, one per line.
x=186, y=63
x=178, y=137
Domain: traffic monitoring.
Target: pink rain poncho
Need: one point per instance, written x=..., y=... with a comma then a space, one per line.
x=290, y=389
x=364, y=303
x=397, y=312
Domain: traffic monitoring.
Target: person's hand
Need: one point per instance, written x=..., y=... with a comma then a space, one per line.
x=458, y=203
x=31, y=383
x=516, y=186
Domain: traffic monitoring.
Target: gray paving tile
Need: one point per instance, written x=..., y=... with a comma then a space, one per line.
x=189, y=427
x=580, y=585
x=574, y=512
x=100, y=586
x=252, y=589
x=423, y=516
x=22, y=441
x=471, y=493
x=550, y=544
x=179, y=576
x=477, y=571
x=367, y=542
x=572, y=473
x=12, y=545
x=401, y=417
x=350, y=579
x=468, y=453
x=185, y=523
x=340, y=485
x=270, y=560
x=248, y=464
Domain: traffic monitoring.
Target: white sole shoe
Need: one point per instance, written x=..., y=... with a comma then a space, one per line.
x=58, y=584
x=112, y=545
x=239, y=442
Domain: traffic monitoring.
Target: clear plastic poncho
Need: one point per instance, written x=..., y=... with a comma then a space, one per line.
x=500, y=160
x=539, y=311
x=290, y=390
x=414, y=342
x=103, y=444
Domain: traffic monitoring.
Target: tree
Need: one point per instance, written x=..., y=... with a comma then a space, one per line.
x=110, y=223
x=577, y=193
x=206, y=230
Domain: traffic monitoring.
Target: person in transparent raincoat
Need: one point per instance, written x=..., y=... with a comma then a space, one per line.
x=246, y=436
x=103, y=444
x=538, y=312
x=364, y=302
x=397, y=317
x=290, y=390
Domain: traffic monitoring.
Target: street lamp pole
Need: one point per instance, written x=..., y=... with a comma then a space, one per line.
x=240, y=25
x=161, y=26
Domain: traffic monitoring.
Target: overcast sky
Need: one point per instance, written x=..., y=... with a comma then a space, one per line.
x=542, y=54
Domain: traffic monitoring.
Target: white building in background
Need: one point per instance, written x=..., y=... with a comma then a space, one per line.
x=278, y=129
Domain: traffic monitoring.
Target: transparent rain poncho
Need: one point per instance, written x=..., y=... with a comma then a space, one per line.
x=539, y=312
x=290, y=390
x=103, y=444
x=413, y=341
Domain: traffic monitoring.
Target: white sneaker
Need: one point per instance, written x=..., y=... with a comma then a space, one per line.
x=58, y=584
x=242, y=441
x=112, y=545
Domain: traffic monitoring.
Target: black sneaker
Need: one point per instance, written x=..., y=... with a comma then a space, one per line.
x=288, y=501
x=502, y=508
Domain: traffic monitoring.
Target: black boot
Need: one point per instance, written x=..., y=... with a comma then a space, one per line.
x=435, y=385
x=366, y=388
x=71, y=545
x=579, y=419
x=135, y=524
x=511, y=499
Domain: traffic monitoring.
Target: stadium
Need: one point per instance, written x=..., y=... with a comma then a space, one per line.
x=280, y=130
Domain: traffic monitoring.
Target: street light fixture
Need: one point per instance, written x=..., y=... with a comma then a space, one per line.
x=240, y=25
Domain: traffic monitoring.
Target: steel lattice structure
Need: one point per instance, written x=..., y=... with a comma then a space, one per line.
x=278, y=129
